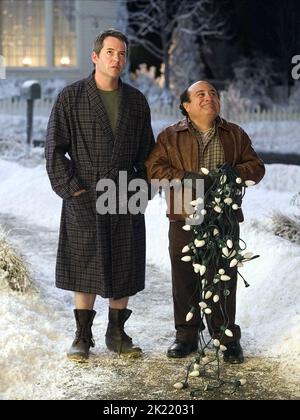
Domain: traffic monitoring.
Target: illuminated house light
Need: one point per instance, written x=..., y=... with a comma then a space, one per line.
x=65, y=61
x=27, y=61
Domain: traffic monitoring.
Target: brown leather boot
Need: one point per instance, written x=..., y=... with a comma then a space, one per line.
x=115, y=338
x=79, y=351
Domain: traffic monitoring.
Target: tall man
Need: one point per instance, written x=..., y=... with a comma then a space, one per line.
x=202, y=139
x=104, y=126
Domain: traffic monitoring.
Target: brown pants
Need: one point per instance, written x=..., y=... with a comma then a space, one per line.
x=184, y=281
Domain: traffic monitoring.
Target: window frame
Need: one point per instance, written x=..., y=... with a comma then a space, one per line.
x=49, y=31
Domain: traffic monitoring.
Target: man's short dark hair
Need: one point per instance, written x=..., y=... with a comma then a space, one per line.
x=98, y=43
x=184, y=97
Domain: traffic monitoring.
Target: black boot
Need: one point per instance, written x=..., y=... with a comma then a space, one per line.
x=115, y=338
x=79, y=351
x=234, y=353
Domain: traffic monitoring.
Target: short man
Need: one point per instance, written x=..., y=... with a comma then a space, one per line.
x=202, y=139
x=104, y=126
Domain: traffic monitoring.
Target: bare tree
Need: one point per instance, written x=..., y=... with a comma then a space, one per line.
x=152, y=23
x=185, y=59
x=121, y=22
x=253, y=76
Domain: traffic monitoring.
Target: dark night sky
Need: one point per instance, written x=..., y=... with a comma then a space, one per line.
x=271, y=27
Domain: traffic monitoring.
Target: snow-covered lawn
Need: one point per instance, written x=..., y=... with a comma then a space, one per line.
x=37, y=328
x=267, y=136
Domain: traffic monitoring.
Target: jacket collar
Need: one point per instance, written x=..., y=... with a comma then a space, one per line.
x=182, y=125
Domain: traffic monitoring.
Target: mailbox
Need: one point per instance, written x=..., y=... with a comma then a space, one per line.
x=30, y=90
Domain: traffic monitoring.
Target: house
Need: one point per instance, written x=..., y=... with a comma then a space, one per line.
x=46, y=39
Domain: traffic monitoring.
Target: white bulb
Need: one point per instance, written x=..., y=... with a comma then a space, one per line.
x=238, y=180
x=207, y=311
x=223, y=348
x=233, y=262
x=194, y=373
x=249, y=183
x=216, y=298
x=178, y=385
x=198, y=243
x=202, y=269
x=216, y=280
x=223, y=179
x=196, y=267
x=185, y=249
x=221, y=271
x=225, y=251
x=189, y=316
x=216, y=343
x=203, y=212
x=217, y=209
x=187, y=258
x=208, y=294
x=215, y=232
x=195, y=203
x=229, y=243
x=224, y=277
x=228, y=333
x=235, y=206
x=205, y=171
x=217, y=200
x=247, y=254
x=187, y=227
x=228, y=200
x=202, y=305
x=243, y=381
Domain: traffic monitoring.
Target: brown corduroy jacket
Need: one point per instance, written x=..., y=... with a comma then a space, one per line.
x=176, y=152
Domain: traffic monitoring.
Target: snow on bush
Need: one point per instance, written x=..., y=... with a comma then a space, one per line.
x=235, y=102
x=253, y=77
x=288, y=227
x=13, y=271
x=146, y=81
x=294, y=99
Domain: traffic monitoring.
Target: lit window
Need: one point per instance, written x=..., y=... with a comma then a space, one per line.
x=22, y=34
x=64, y=31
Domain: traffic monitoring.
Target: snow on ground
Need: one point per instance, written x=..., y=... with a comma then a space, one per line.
x=275, y=137
x=267, y=311
x=267, y=136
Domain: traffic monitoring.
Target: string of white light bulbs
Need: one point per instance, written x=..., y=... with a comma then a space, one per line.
x=216, y=247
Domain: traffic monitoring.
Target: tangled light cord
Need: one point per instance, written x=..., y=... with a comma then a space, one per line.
x=215, y=252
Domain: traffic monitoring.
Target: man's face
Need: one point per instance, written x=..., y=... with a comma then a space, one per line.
x=112, y=58
x=204, y=101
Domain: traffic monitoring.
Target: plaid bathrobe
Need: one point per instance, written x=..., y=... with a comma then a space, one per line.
x=102, y=254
